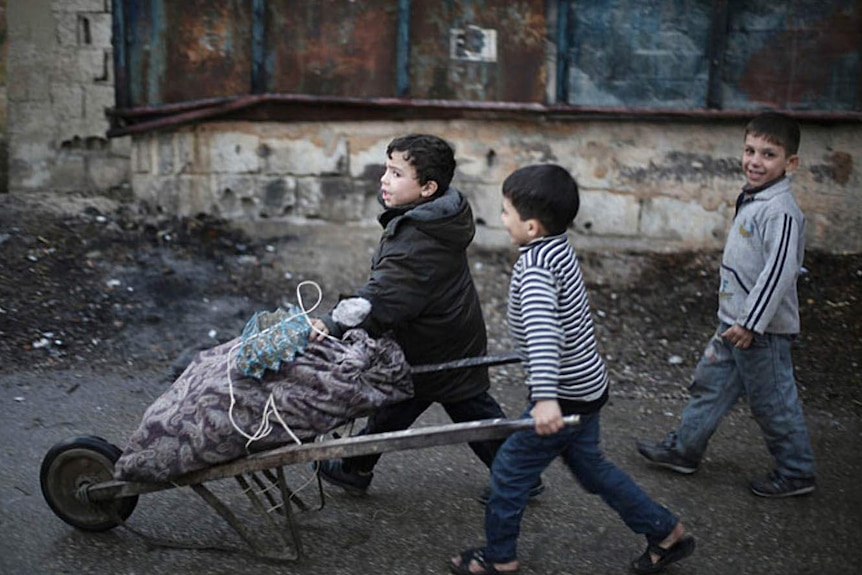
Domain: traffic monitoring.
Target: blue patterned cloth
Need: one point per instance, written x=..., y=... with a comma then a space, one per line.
x=270, y=338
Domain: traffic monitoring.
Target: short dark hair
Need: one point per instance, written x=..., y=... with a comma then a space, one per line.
x=433, y=158
x=778, y=128
x=545, y=192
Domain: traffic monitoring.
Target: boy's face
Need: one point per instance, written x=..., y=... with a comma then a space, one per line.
x=520, y=231
x=399, y=185
x=764, y=161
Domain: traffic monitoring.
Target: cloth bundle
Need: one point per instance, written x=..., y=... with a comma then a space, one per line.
x=189, y=426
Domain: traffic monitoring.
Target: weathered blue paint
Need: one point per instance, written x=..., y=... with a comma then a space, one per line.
x=563, y=34
x=118, y=33
x=157, y=54
x=639, y=53
x=258, y=50
x=403, y=54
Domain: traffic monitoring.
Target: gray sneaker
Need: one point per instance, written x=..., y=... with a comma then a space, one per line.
x=776, y=485
x=664, y=454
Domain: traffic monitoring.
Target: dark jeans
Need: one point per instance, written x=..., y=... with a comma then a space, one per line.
x=400, y=416
x=523, y=458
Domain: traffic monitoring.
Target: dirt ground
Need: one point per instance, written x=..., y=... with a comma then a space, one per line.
x=101, y=303
x=93, y=280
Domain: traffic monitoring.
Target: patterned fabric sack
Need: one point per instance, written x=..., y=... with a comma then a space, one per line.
x=206, y=415
x=270, y=338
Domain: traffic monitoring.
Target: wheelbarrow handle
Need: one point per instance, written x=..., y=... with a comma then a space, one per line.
x=468, y=362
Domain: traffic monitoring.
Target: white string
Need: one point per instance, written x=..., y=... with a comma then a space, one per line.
x=270, y=408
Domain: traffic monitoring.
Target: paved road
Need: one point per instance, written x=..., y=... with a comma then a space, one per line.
x=421, y=508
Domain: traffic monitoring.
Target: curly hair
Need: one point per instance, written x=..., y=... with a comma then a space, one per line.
x=433, y=158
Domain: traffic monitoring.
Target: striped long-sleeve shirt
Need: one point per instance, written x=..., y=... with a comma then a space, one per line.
x=550, y=322
x=761, y=262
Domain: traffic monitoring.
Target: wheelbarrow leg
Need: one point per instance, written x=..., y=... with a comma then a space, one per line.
x=235, y=523
x=286, y=494
x=265, y=513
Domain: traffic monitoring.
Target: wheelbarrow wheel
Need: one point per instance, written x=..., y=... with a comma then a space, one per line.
x=68, y=469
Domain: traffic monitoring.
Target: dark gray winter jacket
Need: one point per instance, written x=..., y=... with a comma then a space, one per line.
x=421, y=290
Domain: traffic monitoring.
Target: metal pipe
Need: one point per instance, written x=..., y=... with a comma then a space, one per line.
x=173, y=115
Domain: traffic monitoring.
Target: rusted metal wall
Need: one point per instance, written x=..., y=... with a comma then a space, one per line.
x=564, y=56
x=332, y=47
x=480, y=50
x=190, y=50
x=450, y=56
x=795, y=55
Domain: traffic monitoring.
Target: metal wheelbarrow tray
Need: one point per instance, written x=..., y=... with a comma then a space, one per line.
x=77, y=482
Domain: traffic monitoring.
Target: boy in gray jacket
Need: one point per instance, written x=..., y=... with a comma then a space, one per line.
x=758, y=314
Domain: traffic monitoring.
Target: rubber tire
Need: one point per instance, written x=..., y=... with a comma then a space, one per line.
x=70, y=466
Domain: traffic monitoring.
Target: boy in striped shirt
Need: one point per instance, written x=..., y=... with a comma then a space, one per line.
x=758, y=313
x=549, y=319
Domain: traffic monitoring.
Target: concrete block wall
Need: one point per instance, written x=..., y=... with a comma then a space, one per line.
x=61, y=71
x=646, y=186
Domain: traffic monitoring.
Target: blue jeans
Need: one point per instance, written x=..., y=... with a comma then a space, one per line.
x=763, y=374
x=521, y=461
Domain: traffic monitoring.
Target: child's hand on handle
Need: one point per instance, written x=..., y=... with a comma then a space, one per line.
x=319, y=331
x=548, y=417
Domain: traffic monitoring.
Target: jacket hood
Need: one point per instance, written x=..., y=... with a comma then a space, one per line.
x=448, y=218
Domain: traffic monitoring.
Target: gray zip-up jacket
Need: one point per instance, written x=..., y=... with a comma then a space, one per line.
x=762, y=261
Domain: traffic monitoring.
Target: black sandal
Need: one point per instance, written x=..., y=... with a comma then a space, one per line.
x=478, y=555
x=643, y=565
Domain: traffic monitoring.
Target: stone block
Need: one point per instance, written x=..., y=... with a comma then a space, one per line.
x=121, y=146
x=105, y=172
x=368, y=156
x=142, y=153
x=233, y=153
x=69, y=172
x=195, y=195
x=158, y=193
x=486, y=200
x=165, y=153
x=67, y=31
x=606, y=213
x=340, y=201
x=237, y=196
x=684, y=221
x=187, y=156
x=61, y=6
x=97, y=100
x=29, y=164
x=67, y=102
x=277, y=197
x=100, y=29
x=84, y=65
x=31, y=119
x=308, y=197
x=301, y=157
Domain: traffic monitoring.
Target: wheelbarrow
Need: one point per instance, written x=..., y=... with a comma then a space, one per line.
x=77, y=482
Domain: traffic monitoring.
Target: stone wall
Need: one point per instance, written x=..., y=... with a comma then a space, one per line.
x=645, y=186
x=61, y=81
